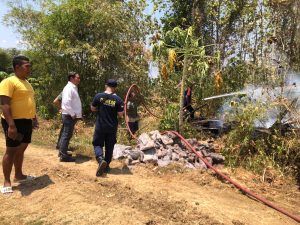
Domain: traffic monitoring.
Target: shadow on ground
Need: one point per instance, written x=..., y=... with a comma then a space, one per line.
x=82, y=158
x=26, y=188
x=118, y=171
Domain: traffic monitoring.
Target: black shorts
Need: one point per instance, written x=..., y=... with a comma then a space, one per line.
x=24, y=127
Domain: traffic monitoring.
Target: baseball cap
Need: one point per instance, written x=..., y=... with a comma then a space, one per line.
x=111, y=83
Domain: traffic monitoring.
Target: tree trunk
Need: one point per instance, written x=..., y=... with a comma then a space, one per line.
x=184, y=75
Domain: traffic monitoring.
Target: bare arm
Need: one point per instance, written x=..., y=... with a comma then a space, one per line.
x=94, y=109
x=57, y=103
x=6, y=109
x=35, y=123
x=120, y=114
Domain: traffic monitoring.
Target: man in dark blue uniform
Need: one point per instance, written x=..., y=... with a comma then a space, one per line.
x=108, y=106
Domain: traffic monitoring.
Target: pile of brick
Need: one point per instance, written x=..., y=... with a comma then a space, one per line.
x=163, y=149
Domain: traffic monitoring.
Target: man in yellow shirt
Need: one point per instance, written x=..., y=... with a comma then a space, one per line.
x=18, y=119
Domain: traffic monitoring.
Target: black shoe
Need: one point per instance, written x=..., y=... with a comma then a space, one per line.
x=101, y=167
x=107, y=169
x=71, y=149
x=67, y=159
x=68, y=154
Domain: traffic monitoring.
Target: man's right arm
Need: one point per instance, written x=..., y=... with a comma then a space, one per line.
x=121, y=114
x=6, y=109
x=57, y=102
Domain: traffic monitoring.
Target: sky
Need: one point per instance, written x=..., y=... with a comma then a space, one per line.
x=8, y=36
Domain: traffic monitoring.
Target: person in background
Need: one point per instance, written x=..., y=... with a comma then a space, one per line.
x=18, y=119
x=188, y=101
x=132, y=113
x=71, y=111
x=57, y=103
x=108, y=106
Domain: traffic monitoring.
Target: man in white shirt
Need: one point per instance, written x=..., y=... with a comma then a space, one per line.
x=71, y=112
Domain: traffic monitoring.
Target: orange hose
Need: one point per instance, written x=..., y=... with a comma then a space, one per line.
x=243, y=189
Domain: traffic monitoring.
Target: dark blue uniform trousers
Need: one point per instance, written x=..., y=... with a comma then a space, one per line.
x=104, y=138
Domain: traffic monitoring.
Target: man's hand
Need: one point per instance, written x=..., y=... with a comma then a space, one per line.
x=5, y=105
x=93, y=108
x=74, y=117
x=35, y=123
x=12, y=132
x=121, y=114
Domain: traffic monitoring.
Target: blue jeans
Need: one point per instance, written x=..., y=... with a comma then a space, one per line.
x=67, y=133
x=59, y=136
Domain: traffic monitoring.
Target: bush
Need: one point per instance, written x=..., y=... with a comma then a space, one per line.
x=239, y=142
x=43, y=112
x=247, y=147
x=3, y=75
x=169, y=120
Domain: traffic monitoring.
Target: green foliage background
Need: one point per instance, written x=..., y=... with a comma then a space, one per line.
x=99, y=39
x=246, y=42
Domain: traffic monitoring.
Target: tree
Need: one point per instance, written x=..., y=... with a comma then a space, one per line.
x=99, y=39
x=6, y=56
x=286, y=30
x=4, y=60
x=192, y=57
x=246, y=33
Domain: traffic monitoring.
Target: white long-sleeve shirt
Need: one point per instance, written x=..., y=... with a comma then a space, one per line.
x=71, y=103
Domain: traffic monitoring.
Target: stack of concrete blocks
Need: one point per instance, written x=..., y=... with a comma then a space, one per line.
x=163, y=149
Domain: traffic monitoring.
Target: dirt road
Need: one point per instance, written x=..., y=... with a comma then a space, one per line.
x=69, y=193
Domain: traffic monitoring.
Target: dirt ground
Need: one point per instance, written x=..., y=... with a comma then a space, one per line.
x=69, y=193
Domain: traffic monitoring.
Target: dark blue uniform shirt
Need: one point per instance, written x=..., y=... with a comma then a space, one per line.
x=108, y=106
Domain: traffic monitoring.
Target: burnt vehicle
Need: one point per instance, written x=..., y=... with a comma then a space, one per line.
x=280, y=112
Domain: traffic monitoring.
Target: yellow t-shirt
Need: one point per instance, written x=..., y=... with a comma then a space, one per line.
x=22, y=101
